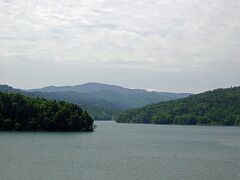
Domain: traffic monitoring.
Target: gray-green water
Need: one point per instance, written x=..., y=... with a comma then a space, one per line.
x=123, y=151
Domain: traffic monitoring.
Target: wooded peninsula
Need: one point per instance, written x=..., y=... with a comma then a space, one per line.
x=23, y=113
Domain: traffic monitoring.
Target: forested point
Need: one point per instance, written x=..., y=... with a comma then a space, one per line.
x=23, y=113
x=218, y=107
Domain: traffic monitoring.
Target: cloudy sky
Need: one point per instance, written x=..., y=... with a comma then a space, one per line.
x=167, y=45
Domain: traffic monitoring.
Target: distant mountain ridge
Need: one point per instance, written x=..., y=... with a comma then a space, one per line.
x=6, y=88
x=84, y=88
x=96, y=87
x=113, y=93
x=103, y=101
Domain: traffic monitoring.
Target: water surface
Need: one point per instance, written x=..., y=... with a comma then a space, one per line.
x=121, y=152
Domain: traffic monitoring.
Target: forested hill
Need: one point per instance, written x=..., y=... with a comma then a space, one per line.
x=19, y=112
x=218, y=107
x=102, y=101
x=129, y=98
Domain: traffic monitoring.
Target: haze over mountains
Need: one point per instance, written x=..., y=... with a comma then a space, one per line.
x=102, y=101
x=117, y=94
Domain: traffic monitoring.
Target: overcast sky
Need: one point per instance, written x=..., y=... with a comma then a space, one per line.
x=167, y=45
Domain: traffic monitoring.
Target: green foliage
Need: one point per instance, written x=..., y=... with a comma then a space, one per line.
x=102, y=101
x=237, y=121
x=8, y=124
x=218, y=107
x=161, y=118
x=19, y=112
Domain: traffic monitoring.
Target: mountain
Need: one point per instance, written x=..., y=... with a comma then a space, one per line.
x=128, y=98
x=84, y=88
x=103, y=101
x=98, y=109
x=217, y=107
x=6, y=88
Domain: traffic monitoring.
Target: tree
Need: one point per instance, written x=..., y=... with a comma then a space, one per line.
x=218, y=107
x=19, y=112
x=8, y=124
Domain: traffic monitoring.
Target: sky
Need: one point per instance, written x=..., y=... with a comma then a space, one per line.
x=164, y=45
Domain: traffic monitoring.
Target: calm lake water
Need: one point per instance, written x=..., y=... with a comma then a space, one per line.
x=123, y=151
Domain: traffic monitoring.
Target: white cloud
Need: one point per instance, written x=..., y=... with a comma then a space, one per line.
x=163, y=36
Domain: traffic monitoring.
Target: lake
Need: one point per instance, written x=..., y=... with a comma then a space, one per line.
x=121, y=152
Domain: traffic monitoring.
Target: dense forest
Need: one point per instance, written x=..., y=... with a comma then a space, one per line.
x=19, y=112
x=217, y=107
x=101, y=101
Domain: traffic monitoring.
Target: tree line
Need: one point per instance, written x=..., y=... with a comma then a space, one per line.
x=19, y=112
x=217, y=107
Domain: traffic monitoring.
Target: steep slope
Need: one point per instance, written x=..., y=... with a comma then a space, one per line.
x=218, y=107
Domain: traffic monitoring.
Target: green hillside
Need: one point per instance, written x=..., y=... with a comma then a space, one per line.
x=19, y=112
x=218, y=107
x=102, y=101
